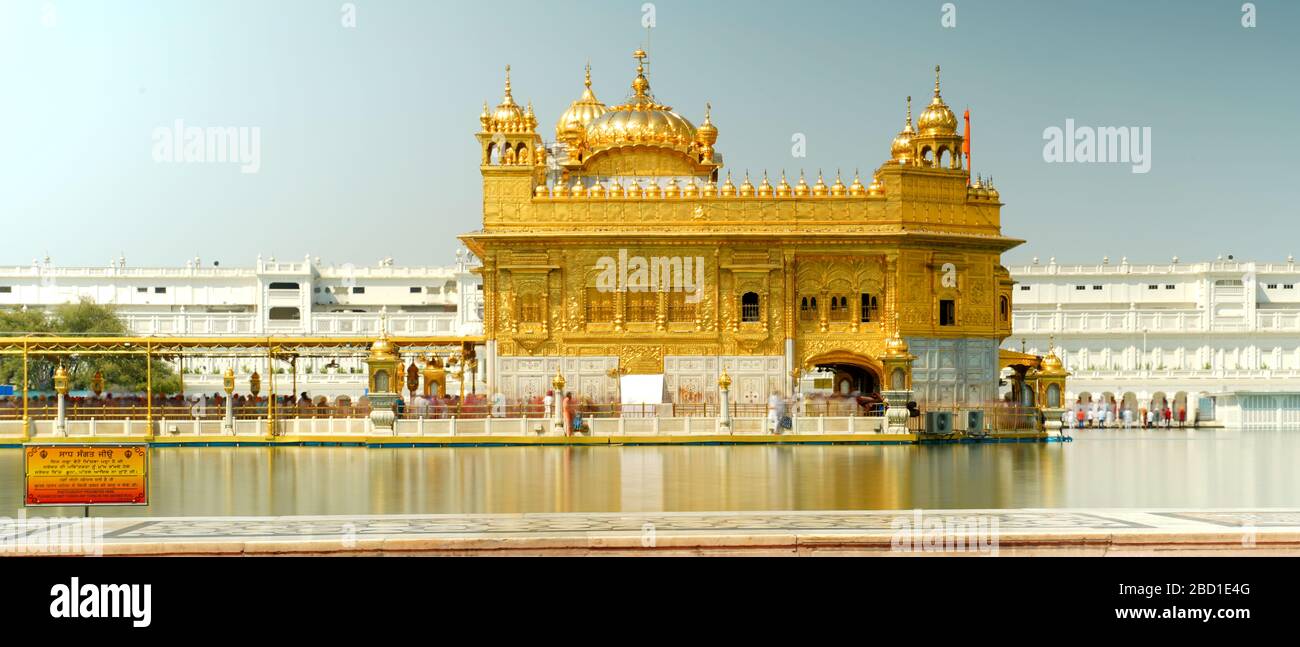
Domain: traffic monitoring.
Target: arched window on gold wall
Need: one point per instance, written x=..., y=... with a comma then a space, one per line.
x=641, y=306
x=870, y=308
x=530, y=308
x=1004, y=309
x=750, y=308
x=680, y=310
x=840, y=308
x=808, y=309
x=600, y=306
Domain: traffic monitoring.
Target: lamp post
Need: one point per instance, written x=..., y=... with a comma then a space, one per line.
x=61, y=388
x=897, y=363
x=617, y=374
x=228, y=385
x=724, y=396
x=97, y=383
x=558, y=415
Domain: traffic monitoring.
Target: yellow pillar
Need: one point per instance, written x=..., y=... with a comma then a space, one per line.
x=27, y=423
x=148, y=390
x=270, y=396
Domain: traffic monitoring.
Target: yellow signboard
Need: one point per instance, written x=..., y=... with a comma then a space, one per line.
x=90, y=474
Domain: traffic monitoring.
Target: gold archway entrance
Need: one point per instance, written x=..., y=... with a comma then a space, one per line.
x=853, y=372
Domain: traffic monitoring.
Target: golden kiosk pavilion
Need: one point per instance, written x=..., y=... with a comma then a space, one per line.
x=623, y=249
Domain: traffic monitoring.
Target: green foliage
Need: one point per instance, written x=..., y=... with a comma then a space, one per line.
x=121, y=372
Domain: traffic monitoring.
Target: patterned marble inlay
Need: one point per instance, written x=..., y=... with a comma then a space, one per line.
x=561, y=524
x=1242, y=518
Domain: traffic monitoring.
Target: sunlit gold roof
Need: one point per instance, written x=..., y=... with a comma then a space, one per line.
x=641, y=120
x=937, y=119
x=580, y=114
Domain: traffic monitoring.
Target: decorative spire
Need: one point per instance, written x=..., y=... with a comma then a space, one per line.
x=587, y=82
x=509, y=99
x=936, y=82
x=640, y=85
x=908, y=127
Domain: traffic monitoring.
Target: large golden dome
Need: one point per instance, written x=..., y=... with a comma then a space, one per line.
x=640, y=120
x=580, y=114
x=901, y=149
x=937, y=119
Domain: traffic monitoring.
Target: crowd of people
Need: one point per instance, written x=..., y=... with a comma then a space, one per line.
x=1112, y=415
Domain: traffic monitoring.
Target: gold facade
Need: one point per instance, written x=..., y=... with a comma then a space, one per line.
x=814, y=272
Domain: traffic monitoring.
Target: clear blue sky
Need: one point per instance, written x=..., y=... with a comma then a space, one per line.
x=366, y=134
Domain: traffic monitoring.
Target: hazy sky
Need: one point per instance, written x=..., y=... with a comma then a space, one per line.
x=366, y=133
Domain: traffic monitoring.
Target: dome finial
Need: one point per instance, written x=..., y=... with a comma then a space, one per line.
x=909, y=112
x=588, y=80
x=509, y=98
x=640, y=85
x=936, y=81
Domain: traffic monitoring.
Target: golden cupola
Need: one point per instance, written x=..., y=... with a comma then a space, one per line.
x=901, y=150
x=707, y=135
x=937, y=119
x=508, y=116
x=936, y=143
x=573, y=123
x=640, y=121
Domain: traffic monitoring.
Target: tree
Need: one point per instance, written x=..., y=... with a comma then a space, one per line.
x=84, y=318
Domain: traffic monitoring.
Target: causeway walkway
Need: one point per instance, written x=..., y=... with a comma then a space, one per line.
x=1084, y=532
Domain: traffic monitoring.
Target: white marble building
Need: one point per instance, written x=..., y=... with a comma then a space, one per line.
x=1223, y=337
x=271, y=298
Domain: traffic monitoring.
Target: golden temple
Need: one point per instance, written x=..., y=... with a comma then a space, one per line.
x=623, y=248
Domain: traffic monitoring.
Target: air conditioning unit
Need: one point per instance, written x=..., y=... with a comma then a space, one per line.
x=938, y=422
x=974, y=421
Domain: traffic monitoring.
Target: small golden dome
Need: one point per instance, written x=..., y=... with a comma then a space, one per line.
x=711, y=189
x=820, y=190
x=876, y=188
x=856, y=189
x=838, y=189
x=560, y=191
x=573, y=123
x=543, y=191
x=616, y=189
x=578, y=189
x=896, y=346
x=597, y=190
x=652, y=190
x=1052, y=363
x=672, y=190
x=382, y=349
x=765, y=189
x=508, y=114
x=993, y=192
x=692, y=189
x=783, y=189
x=901, y=149
x=707, y=133
x=937, y=119
x=801, y=189
x=747, y=189
x=634, y=189
x=728, y=189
